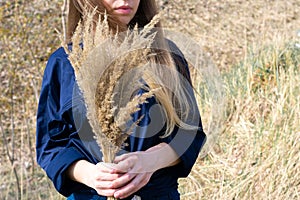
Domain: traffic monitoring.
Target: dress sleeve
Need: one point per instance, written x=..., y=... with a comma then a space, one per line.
x=57, y=143
x=186, y=143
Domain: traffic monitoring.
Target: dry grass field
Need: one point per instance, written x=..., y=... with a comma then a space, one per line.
x=255, y=151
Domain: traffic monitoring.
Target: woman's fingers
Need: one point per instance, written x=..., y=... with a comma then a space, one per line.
x=137, y=183
x=123, y=180
x=103, y=185
x=106, y=192
x=107, y=177
x=126, y=162
x=102, y=177
x=108, y=168
x=122, y=157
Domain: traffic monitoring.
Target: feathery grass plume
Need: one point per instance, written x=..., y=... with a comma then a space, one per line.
x=100, y=58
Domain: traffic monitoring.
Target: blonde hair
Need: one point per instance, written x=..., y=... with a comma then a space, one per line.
x=175, y=100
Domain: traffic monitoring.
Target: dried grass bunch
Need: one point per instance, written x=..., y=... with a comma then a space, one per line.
x=100, y=58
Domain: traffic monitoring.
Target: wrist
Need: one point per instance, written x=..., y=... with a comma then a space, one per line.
x=162, y=155
x=79, y=171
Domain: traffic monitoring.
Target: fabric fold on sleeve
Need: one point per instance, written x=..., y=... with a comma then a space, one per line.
x=57, y=143
x=187, y=144
x=56, y=170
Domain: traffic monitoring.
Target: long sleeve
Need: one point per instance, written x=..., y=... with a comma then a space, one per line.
x=57, y=142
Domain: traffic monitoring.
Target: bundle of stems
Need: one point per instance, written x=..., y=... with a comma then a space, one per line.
x=100, y=59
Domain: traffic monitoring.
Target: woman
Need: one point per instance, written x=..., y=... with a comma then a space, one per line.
x=155, y=161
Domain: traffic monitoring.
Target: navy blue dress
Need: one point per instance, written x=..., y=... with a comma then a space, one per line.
x=65, y=136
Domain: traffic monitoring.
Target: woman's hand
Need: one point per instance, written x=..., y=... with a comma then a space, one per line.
x=99, y=177
x=139, y=167
x=139, y=171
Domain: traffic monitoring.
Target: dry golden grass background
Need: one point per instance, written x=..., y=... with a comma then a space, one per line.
x=253, y=43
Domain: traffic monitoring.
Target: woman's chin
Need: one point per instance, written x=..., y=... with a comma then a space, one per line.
x=124, y=20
